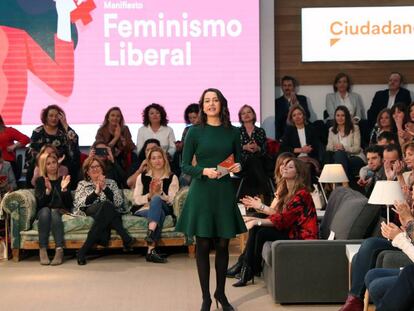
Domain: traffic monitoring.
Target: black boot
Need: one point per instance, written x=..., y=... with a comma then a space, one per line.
x=234, y=270
x=152, y=256
x=222, y=299
x=246, y=275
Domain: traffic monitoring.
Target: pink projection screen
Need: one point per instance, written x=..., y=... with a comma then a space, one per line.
x=133, y=53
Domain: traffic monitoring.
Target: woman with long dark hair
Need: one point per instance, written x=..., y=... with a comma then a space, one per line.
x=292, y=215
x=344, y=143
x=210, y=211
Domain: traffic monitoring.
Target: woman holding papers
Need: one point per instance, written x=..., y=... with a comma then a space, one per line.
x=210, y=212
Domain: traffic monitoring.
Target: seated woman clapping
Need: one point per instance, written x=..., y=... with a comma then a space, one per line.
x=53, y=198
x=292, y=215
x=154, y=194
x=100, y=198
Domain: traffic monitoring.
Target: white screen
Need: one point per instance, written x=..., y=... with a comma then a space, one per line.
x=358, y=34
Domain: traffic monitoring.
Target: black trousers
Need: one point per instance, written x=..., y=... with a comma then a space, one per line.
x=105, y=218
x=258, y=236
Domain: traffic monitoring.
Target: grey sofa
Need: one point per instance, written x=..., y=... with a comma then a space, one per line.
x=316, y=271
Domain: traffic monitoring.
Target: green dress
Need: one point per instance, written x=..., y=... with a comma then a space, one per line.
x=210, y=209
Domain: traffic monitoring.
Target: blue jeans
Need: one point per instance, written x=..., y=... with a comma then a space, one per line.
x=379, y=281
x=156, y=213
x=50, y=220
x=364, y=261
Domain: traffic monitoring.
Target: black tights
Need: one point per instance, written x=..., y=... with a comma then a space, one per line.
x=203, y=264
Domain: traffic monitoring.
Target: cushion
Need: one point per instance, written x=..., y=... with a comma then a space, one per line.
x=334, y=203
x=267, y=253
x=353, y=217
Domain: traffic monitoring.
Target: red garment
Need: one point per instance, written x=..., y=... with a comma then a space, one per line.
x=20, y=53
x=298, y=217
x=8, y=137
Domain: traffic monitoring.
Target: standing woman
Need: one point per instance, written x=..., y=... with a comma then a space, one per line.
x=52, y=195
x=117, y=136
x=210, y=212
x=10, y=140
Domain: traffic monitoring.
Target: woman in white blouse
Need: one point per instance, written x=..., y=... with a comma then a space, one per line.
x=343, y=96
x=153, y=195
x=344, y=143
x=155, y=126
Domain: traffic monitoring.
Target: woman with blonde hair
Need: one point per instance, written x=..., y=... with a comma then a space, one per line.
x=154, y=194
x=291, y=215
x=52, y=198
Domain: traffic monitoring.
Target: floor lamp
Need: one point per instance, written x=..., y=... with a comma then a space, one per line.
x=332, y=173
x=386, y=192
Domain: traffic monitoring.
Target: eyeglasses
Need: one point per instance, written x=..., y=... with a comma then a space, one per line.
x=94, y=167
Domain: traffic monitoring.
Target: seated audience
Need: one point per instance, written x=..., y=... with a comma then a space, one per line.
x=387, y=138
x=400, y=117
x=190, y=118
x=53, y=198
x=7, y=178
x=372, y=172
x=100, y=198
x=343, y=96
x=387, y=98
x=142, y=164
x=281, y=161
x=300, y=139
x=292, y=215
x=409, y=125
x=49, y=149
x=385, y=123
x=344, y=143
x=366, y=257
x=155, y=126
x=113, y=170
x=398, y=291
x=55, y=131
x=254, y=160
x=10, y=140
x=154, y=195
x=114, y=133
x=284, y=102
x=387, y=290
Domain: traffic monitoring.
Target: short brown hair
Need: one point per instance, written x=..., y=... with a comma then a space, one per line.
x=87, y=164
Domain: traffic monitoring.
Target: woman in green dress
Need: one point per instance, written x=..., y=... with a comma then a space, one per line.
x=210, y=211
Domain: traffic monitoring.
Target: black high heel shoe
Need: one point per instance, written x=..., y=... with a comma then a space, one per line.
x=234, y=270
x=222, y=299
x=205, y=306
x=246, y=275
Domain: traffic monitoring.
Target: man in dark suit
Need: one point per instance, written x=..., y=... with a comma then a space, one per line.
x=387, y=98
x=284, y=102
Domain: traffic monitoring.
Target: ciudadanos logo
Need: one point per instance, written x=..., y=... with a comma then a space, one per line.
x=342, y=29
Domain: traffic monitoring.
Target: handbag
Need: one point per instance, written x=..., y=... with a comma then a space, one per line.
x=318, y=198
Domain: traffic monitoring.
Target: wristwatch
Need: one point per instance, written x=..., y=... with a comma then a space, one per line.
x=259, y=222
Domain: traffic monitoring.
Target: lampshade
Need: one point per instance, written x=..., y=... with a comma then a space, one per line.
x=386, y=192
x=333, y=173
